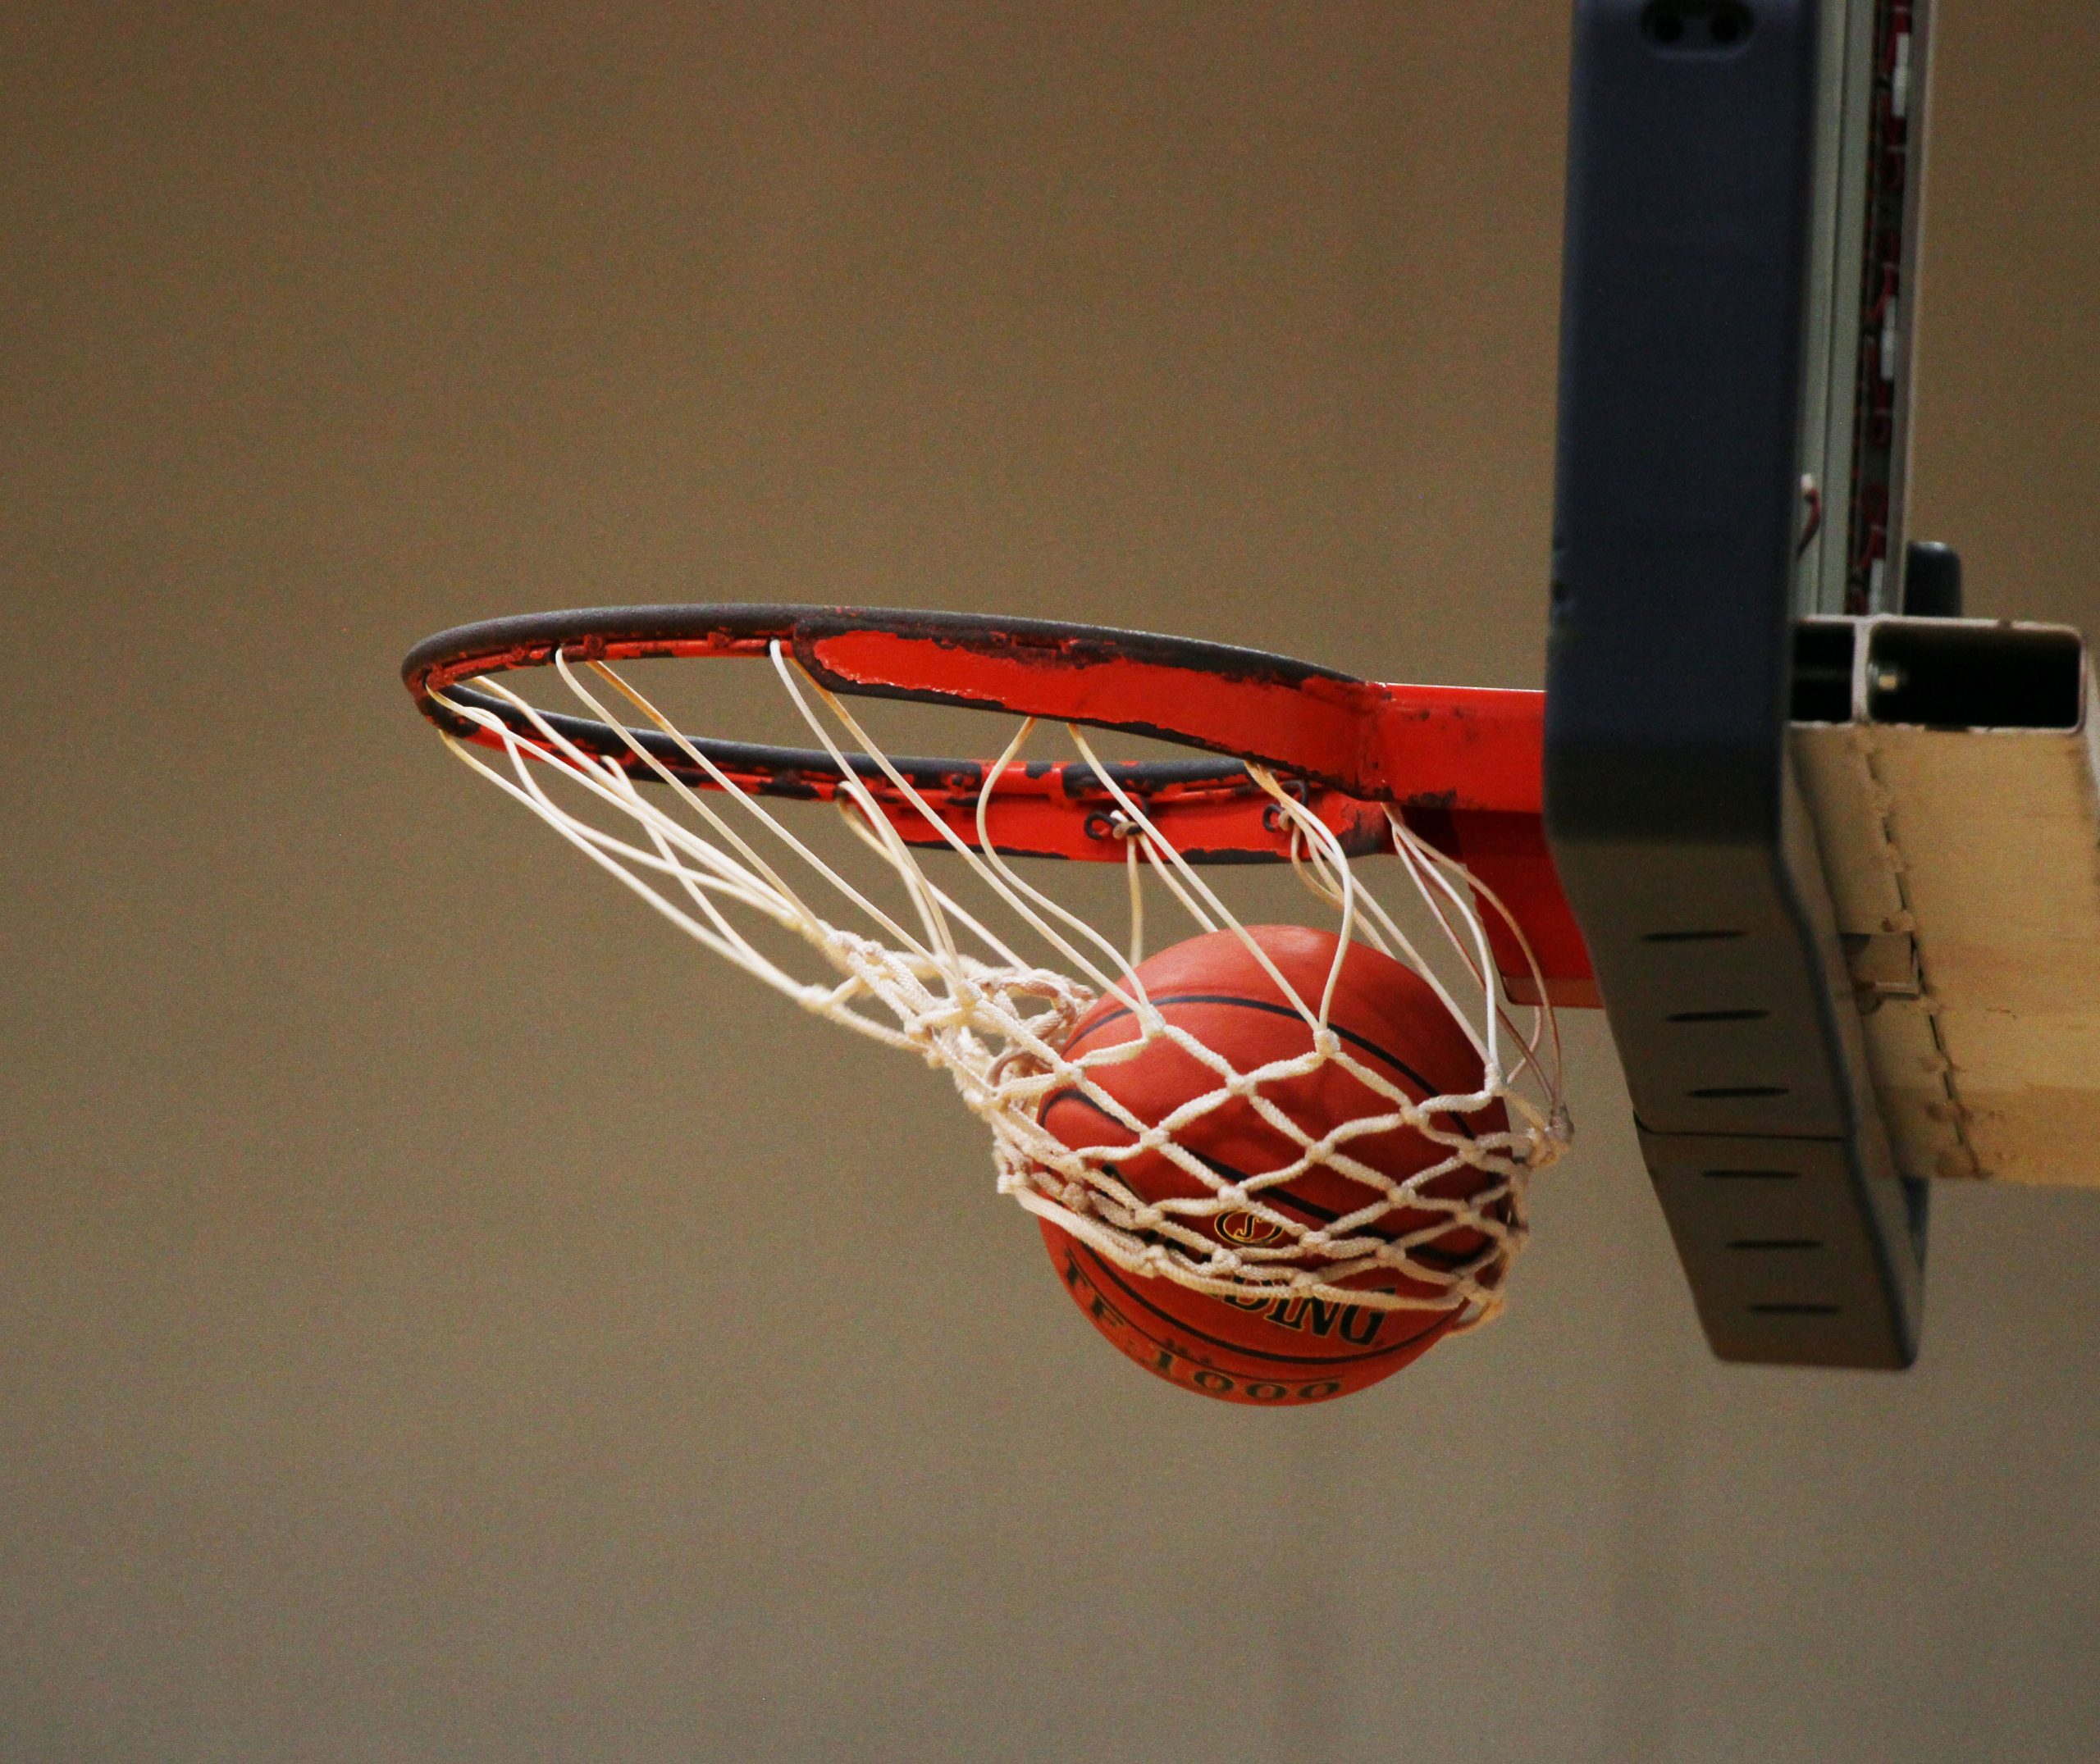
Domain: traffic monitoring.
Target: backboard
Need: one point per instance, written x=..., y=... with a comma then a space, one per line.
x=1729, y=757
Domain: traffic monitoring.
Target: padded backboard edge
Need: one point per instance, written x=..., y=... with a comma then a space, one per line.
x=1675, y=820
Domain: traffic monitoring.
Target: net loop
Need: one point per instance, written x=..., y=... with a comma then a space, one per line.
x=930, y=962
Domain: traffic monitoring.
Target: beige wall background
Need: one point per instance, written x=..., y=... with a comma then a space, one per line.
x=410, y=1342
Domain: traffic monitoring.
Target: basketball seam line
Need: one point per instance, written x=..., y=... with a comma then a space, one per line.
x=1350, y=1036
x=1427, y=1251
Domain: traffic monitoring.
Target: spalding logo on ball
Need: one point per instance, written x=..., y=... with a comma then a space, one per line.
x=1247, y=1229
x=1290, y=1347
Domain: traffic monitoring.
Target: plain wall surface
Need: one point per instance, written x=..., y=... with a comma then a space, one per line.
x=414, y=1342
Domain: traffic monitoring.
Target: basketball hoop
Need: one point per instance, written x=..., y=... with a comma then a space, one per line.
x=958, y=957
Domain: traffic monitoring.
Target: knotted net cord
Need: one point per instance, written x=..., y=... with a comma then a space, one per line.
x=926, y=974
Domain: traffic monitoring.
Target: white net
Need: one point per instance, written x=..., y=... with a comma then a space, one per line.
x=935, y=968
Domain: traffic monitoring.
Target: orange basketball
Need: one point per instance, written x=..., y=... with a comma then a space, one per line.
x=1283, y=1350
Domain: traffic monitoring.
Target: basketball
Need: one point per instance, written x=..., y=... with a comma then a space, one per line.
x=1291, y=1348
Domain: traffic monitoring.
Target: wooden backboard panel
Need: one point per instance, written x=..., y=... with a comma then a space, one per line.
x=1964, y=865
